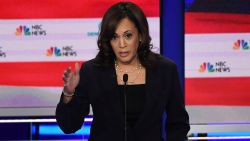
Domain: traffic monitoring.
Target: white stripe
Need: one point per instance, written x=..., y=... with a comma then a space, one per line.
x=34, y=120
x=234, y=118
x=43, y=103
x=213, y=42
x=8, y=27
x=64, y=26
x=239, y=67
x=35, y=51
x=215, y=138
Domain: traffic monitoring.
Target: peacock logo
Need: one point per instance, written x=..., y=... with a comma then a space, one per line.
x=206, y=67
x=53, y=51
x=22, y=30
x=240, y=44
x=218, y=67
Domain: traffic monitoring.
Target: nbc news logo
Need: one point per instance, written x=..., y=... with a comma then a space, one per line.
x=219, y=66
x=65, y=51
x=35, y=30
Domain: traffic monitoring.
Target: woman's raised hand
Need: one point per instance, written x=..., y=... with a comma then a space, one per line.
x=71, y=79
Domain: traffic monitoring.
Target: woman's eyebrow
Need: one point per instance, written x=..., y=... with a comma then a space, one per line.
x=127, y=31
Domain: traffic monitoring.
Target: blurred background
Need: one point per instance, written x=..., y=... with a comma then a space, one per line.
x=208, y=39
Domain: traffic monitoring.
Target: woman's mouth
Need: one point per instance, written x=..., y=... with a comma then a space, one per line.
x=124, y=53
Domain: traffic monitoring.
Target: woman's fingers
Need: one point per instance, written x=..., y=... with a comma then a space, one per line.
x=67, y=71
x=70, y=78
x=67, y=76
x=77, y=68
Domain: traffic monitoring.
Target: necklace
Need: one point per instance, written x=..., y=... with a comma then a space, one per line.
x=117, y=68
x=137, y=75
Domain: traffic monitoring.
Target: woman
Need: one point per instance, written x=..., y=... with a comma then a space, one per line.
x=152, y=85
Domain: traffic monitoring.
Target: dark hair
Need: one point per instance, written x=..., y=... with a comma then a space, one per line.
x=112, y=17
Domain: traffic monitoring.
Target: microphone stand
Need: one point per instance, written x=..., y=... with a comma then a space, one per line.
x=125, y=80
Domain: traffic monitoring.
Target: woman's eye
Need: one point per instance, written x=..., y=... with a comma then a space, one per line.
x=128, y=36
x=114, y=37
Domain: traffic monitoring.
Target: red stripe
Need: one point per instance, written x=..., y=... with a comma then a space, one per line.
x=33, y=73
x=218, y=91
x=198, y=22
x=26, y=9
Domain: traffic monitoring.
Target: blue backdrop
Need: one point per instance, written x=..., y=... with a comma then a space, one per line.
x=172, y=33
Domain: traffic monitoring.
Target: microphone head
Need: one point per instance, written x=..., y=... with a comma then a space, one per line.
x=125, y=78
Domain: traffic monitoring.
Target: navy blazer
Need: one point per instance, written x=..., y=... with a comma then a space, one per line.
x=99, y=87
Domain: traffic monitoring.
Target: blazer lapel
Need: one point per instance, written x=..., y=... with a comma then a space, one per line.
x=151, y=94
x=115, y=95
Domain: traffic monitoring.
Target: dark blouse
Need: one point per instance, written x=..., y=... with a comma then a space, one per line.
x=135, y=97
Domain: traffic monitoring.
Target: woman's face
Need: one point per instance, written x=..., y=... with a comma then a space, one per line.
x=125, y=42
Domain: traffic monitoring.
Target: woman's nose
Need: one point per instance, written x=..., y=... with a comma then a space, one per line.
x=122, y=43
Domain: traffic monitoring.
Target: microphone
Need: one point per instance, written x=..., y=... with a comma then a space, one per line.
x=125, y=80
